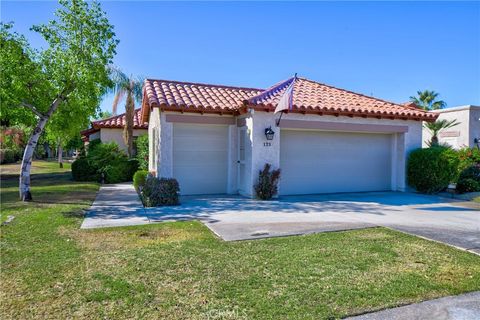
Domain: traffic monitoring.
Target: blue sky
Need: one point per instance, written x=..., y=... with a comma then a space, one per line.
x=386, y=49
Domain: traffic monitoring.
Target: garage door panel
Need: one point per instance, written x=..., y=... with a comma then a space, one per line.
x=200, y=156
x=326, y=162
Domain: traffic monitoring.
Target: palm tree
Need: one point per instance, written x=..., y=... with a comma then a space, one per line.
x=427, y=100
x=436, y=127
x=132, y=88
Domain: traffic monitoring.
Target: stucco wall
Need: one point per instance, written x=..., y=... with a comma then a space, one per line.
x=116, y=135
x=474, y=129
x=94, y=136
x=402, y=143
x=457, y=136
x=153, y=139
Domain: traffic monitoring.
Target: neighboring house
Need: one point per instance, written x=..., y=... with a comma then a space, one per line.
x=212, y=138
x=111, y=129
x=465, y=134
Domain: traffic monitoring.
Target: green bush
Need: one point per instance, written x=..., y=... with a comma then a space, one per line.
x=467, y=157
x=120, y=170
x=142, y=152
x=430, y=170
x=469, y=180
x=468, y=185
x=160, y=192
x=105, y=154
x=7, y=156
x=267, y=185
x=139, y=179
x=82, y=170
x=105, y=161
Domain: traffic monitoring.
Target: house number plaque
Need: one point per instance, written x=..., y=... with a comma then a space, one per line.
x=267, y=144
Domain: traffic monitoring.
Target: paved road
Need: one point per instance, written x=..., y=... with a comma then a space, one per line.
x=461, y=307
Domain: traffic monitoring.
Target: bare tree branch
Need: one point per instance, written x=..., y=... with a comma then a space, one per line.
x=31, y=107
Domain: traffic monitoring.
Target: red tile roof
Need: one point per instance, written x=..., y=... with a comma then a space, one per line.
x=114, y=122
x=313, y=97
x=193, y=97
x=308, y=97
x=119, y=121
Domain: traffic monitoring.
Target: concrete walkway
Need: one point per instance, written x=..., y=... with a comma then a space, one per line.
x=115, y=205
x=462, y=307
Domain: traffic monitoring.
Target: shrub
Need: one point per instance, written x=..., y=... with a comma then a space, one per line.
x=139, y=179
x=430, y=170
x=472, y=172
x=132, y=167
x=160, y=192
x=121, y=170
x=467, y=157
x=105, y=154
x=469, y=180
x=82, y=170
x=7, y=156
x=468, y=185
x=104, y=160
x=142, y=152
x=267, y=185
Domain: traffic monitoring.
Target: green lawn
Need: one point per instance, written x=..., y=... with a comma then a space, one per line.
x=51, y=269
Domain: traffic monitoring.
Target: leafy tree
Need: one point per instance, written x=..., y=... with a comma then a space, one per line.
x=427, y=100
x=132, y=88
x=103, y=115
x=142, y=151
x=70, y=75
x=436, y=127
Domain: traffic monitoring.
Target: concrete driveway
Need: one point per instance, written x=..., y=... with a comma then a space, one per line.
x=236, y=218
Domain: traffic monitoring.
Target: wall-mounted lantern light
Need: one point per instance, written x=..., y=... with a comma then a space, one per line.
x=477, y=142
x=269, y=133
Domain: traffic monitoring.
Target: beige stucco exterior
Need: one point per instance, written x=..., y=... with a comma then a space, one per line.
x=115, y=135
x=461, y=135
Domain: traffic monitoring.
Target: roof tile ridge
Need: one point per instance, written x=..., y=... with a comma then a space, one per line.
x=363, y=95
x=205, y=84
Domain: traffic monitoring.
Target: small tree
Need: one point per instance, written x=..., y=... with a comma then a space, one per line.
x=427, y=100
x=436, y=127
x=70, y=75
x=132, y=88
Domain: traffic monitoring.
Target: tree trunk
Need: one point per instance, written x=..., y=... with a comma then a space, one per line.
x=60, y=155
x=128, y=130
x=24, y=183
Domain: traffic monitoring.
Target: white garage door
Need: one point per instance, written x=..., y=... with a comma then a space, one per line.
x=200, y=156
x=328, y=162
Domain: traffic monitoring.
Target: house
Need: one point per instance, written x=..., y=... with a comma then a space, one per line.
x=465, y=134
x=111, y=129
x=213, y=138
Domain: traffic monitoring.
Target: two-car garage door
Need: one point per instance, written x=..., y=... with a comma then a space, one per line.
x=326, y=162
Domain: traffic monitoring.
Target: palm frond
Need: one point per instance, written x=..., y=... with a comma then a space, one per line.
x=116, y=100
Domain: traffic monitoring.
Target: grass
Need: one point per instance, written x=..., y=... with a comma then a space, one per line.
x=52, y=269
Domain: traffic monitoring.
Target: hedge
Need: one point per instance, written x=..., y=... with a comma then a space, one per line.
x=431, y=170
